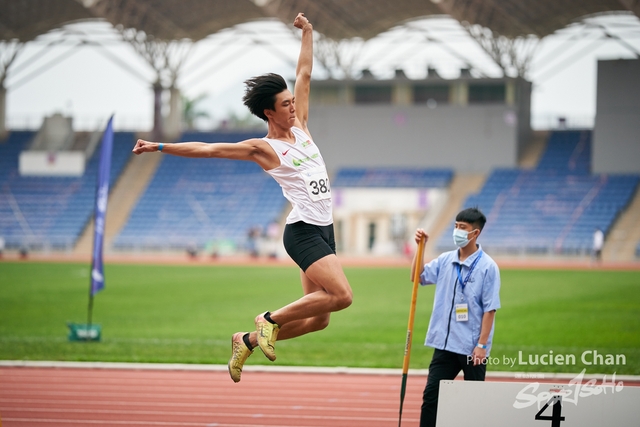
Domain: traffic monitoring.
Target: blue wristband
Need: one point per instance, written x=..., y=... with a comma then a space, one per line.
x=160, y=147
x=482, y=346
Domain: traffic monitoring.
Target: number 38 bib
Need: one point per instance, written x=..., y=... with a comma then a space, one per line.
x=317, y=183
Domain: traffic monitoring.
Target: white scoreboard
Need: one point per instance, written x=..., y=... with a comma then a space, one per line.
x=534, y=404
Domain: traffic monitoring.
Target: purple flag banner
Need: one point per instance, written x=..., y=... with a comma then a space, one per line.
x=102, y=195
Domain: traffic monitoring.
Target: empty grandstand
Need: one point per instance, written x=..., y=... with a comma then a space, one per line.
x=393, y=177
x=199, y=203
x=554, y=208
x=214, y=203
x=49, y=212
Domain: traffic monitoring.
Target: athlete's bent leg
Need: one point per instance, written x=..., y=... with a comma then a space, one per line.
x=302, y=326
x=311, y=324
x=334, y=293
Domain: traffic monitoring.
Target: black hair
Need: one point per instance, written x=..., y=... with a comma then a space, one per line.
x=260, y=93
x=472, y=216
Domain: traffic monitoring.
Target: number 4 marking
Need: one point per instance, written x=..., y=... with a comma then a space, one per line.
x=556, y=415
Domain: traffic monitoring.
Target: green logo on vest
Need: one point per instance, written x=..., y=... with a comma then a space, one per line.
x=298, y=162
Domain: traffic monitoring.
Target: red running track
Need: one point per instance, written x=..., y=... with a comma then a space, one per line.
x=96, y=396
x=56, y=397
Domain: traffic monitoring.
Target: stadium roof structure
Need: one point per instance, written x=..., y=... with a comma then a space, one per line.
x=336, y=19
x=162, y=31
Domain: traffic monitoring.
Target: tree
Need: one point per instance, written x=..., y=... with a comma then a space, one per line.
x=190, y=111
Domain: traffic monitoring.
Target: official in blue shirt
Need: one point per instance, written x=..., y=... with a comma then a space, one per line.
x=466, y=299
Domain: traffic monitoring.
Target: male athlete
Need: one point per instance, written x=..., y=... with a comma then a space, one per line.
x=291, y=157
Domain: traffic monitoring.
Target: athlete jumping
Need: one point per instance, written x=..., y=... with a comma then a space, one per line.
x=289, y=154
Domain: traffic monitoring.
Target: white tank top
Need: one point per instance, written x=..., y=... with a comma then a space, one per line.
x=303, y=177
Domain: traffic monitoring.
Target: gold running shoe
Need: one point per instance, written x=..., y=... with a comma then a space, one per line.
x=239, y=354
x=267, y=335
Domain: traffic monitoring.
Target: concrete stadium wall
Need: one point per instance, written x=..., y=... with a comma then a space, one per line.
x=616, y=136
x=474, y=138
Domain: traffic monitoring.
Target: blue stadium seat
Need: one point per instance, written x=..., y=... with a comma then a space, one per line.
x=50, y=212
x=554, y=208
x=568, y=151
x=192, y=202
x=392, y=177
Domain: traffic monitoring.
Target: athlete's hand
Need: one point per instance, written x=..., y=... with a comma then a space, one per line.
x=143, y=146
x=301, y=21
x=420, y=234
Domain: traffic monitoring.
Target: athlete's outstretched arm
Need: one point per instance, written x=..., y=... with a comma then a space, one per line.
x=251, y=149
x=303, y=70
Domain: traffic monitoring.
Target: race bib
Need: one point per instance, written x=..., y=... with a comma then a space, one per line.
x=317, y=183
x=462, y=312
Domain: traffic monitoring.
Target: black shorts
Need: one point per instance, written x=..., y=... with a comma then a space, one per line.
x=307, y=243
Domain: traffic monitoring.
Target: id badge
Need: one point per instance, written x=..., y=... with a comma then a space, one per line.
x=462, y=312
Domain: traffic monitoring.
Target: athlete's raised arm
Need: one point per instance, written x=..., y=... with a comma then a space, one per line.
x=255, y=150
x=303, y=71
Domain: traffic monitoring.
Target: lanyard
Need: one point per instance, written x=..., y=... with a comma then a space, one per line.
x=464, y=282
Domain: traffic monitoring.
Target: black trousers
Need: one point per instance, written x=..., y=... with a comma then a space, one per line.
x=445, y=365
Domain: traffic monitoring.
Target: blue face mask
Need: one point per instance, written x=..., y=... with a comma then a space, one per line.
x=460, y=237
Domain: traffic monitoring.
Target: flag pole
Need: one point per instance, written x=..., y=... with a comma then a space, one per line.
x=90, y=309
x=412, y=312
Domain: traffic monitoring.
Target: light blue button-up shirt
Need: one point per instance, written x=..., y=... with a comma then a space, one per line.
x=481, y=294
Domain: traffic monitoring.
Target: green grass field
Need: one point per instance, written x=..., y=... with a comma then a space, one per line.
x=186, y=314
